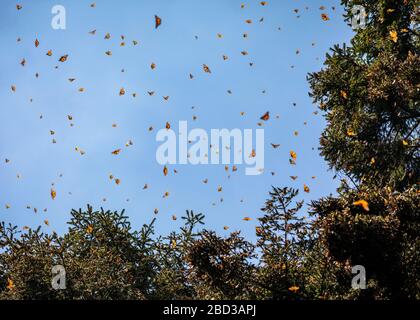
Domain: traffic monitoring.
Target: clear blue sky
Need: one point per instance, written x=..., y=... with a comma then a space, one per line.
x=25, y=138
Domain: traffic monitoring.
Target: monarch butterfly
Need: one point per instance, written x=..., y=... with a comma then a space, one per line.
x=393, y=35
x=325, y=17
x=10, y=284
x=266, y=116
x=115, y=152
x=294, y=289
x=206, y=68
x=158, y=21
x=53, y=194
x=363, y=203
x=63, y=58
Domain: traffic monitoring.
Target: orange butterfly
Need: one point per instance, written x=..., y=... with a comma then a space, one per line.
x=266, y=116
x=206, y=68
x=325, y=17
x=363, y=203
x=53, y=194
x=158, y=21
x=115, y=152
x=63, y=58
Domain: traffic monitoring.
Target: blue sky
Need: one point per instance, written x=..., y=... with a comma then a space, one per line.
x=26, y=141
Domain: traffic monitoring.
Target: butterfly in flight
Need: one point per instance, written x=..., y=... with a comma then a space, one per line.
x=158, y=21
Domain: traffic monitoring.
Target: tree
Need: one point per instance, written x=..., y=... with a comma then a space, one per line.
x=369, y=94
x=222, y=268
x=25, y=263
x=283, y=241
x=102, y=257
x=173, y=280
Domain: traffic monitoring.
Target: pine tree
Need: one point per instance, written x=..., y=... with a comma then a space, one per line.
x=283, y=241
x=369, y=93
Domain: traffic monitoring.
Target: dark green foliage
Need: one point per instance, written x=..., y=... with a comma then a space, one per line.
x=105, y=259
x=221, y=268
x=369, y=93
x=29, y=258
x=283, y=241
